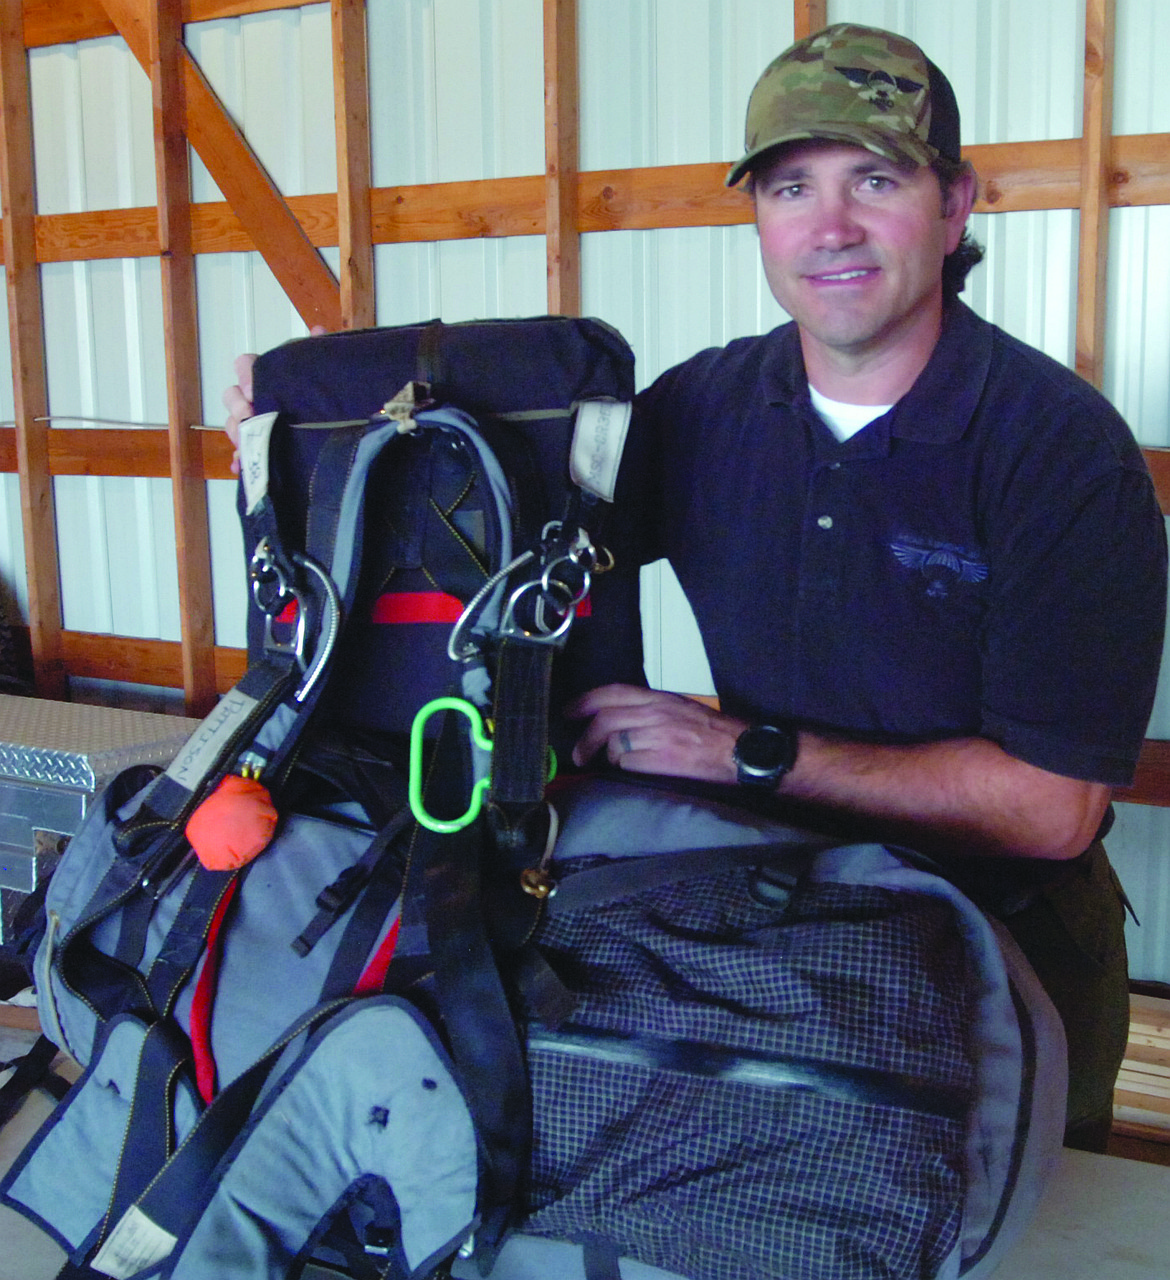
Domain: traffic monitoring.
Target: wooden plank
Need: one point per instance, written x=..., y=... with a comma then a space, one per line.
x=459, y=210
x=184, y=396
x=1097, y=131
x=139, y=661
x=1014, y=177
x=300, y=270
x=1141, y=170
x=1151, y=784
x=106, y=451
x=1158, y=461
x=65, y=21
x=561, y=159
x=29, y=381
x=19, y=1017
x=351, y=109
x=808, y=17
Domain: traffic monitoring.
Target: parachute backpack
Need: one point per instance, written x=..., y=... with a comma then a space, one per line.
x=422, y=513
x=454, y=1020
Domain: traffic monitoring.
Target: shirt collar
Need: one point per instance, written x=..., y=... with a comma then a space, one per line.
x=940, y=404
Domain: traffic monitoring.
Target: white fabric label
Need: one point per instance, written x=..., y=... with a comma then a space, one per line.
x=203, y=747
x=134, y=1244
x=598, y=440
x=254, y=436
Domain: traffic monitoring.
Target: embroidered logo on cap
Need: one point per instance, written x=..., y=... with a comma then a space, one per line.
x=879, y=87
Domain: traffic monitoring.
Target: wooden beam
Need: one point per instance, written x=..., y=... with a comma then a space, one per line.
x=138, y=661
x=1013, y=177
x=29, y=381
x=298, y=267
x=809, y=16
x=66, y=21
x=184, y=397
x=351, y=112
x=1158, y=461
x=562, y=229
x=1151, y=783
x=1097, y=132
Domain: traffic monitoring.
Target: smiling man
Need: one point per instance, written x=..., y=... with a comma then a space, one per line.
x=926, y=561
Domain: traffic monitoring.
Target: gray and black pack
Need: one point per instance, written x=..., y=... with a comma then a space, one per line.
x=457, y=1019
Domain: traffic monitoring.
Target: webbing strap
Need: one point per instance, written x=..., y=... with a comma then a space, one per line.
x=32, y=1071
x=599, y=1256
x=187, y=937
x=165, y=1052
x=626, y=877
x=484, y=1042
x=520, y=713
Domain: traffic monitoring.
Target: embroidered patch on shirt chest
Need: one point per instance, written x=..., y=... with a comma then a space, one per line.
x=943, y=565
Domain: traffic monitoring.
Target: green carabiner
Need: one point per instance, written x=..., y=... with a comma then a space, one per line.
x=445, y=826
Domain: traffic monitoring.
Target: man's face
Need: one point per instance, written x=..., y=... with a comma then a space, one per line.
x=853, y=246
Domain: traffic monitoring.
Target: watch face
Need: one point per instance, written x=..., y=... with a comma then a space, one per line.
x=764, y=753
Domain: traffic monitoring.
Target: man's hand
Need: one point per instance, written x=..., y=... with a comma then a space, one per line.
x=237, y=401
x=651, y=732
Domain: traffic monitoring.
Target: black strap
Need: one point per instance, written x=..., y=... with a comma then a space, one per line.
x=484, y=1042
x=335, y=899
x=32, y=1071
x=187, y=937
x=520, y=715
x=165, y=1052
x=626, y=877
x=599, y=1256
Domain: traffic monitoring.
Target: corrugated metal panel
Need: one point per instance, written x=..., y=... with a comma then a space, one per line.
x=456, y=89
x=1141, y=98
x=666, y=83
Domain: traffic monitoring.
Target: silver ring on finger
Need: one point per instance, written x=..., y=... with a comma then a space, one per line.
x=624, y=742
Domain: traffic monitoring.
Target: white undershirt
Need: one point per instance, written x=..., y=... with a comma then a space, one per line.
x=845, y=420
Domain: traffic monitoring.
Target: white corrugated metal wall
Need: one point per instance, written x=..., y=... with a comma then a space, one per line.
x=457, y=88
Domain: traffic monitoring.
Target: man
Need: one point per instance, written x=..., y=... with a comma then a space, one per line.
x=926, y=561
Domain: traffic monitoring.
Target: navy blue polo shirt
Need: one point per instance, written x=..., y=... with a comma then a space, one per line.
x=987, y=558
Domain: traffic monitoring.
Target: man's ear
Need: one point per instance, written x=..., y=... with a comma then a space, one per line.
x=958, y=202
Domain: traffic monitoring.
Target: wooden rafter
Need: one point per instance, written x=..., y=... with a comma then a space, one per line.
x=184, y=399
x=299, y=268
x=29, y=380
x=1097, y=131
x=561, y=113
x=66, y=21
x=1014, y=177
x=352, y=116
x=809, y=16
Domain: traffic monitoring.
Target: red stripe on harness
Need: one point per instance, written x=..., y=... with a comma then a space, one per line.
x=375, y=972
x=416, y=606
x=204, y=998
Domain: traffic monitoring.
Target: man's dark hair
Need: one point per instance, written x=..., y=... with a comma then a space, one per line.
x=968, y=253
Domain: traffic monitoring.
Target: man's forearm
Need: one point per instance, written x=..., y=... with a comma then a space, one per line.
x=958, y=796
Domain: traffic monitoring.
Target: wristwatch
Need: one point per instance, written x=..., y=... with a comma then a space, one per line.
x=764, y=753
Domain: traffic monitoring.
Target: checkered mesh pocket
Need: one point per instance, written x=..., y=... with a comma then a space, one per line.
x=718, y=1170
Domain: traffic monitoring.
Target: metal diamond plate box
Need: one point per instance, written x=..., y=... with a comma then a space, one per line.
x=55, y=757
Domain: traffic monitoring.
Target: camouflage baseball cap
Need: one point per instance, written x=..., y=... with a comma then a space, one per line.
x=856, y=85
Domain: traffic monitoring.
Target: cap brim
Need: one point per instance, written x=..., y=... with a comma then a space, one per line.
x=904, y=152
